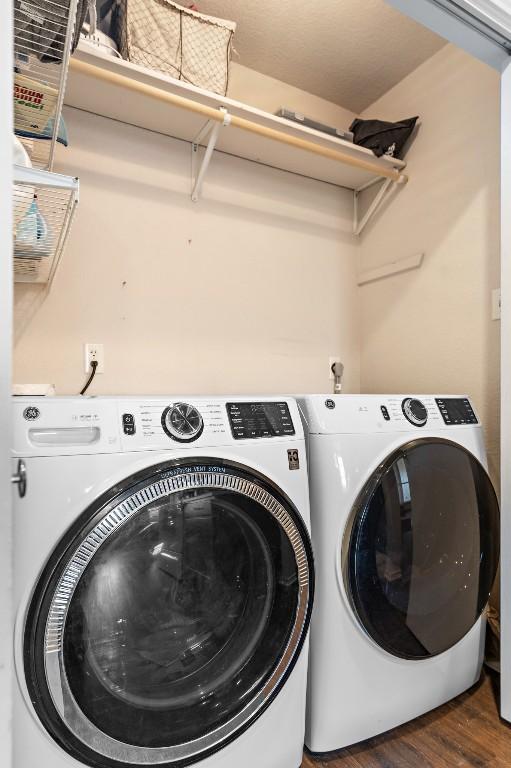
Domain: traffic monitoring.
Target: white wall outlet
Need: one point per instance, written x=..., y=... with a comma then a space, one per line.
x=495, y=304
x=331, y=361
x=94, y=352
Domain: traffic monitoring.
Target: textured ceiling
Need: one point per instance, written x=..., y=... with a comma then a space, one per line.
x=347, y=51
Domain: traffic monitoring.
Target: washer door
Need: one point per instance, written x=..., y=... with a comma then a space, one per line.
x=170, y=615
x=421, y=550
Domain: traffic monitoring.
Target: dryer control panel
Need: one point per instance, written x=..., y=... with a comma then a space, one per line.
x=369, y=414
x=424, y=411
x=427, y=411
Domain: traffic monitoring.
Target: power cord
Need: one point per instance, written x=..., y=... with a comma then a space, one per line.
x=93, y=365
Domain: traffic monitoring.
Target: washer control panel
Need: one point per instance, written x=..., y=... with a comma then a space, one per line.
x=415, y=411
x=250, y=420
x=161, y=423
x=456, y=410
x=68, y=426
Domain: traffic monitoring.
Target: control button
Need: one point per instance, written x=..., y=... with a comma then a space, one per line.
x=414, y=411
x=182, y=422
x=385, y=413
x=128, y=424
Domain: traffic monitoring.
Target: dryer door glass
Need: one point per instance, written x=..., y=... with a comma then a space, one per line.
x=172, y=617
x=421, y=550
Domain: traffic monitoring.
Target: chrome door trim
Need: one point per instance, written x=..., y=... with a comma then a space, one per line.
x=56, y=677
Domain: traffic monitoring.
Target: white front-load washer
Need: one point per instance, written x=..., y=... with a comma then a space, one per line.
x=163, y=582
x=405, y=529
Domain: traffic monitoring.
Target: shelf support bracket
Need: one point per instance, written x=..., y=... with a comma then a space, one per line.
x=387, y=188
x=211, y=128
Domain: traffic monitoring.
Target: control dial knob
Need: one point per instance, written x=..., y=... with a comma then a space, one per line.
x=182, y=422
x=415, y=411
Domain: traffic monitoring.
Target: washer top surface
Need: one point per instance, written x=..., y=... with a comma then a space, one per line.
x=58, y=426
x=376, y=414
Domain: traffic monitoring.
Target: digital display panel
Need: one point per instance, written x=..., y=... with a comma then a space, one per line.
x=250, y=420
x=456, y=410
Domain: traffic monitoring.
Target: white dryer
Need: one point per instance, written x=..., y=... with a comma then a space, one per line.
x=405, y=530
x=163, y=582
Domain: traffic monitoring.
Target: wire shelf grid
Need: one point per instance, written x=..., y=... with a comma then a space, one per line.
x=44, y=206
x=43, y=35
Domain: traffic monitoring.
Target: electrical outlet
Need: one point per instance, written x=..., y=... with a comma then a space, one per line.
x=94, y=352
x=331, y=361
x=495, y=304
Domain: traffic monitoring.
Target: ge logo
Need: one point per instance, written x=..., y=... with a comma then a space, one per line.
x=31, y=413
x=330, y=404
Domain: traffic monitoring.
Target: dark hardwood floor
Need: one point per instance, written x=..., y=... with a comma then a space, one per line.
x=464, y=733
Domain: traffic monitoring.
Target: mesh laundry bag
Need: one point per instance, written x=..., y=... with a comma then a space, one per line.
x=162, y=35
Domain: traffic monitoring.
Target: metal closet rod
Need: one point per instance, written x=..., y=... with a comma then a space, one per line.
x=218, y=115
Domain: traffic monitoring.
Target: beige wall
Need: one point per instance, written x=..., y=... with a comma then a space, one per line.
x=430, y=330
x=253, y=288
x=267, y=93
x=249, y=290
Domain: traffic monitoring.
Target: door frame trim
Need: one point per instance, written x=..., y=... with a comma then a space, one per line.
x=454, y=29
x=505, y=402
x=6, y=334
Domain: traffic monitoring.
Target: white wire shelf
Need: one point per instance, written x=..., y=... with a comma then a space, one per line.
x=44, y=206
x=43, y=34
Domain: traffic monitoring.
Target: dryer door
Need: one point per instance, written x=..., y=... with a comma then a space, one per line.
x=169, y=616
x=421, y=549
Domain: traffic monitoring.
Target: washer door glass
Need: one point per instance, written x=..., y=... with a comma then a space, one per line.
x=175, y=616
x=422, y=549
